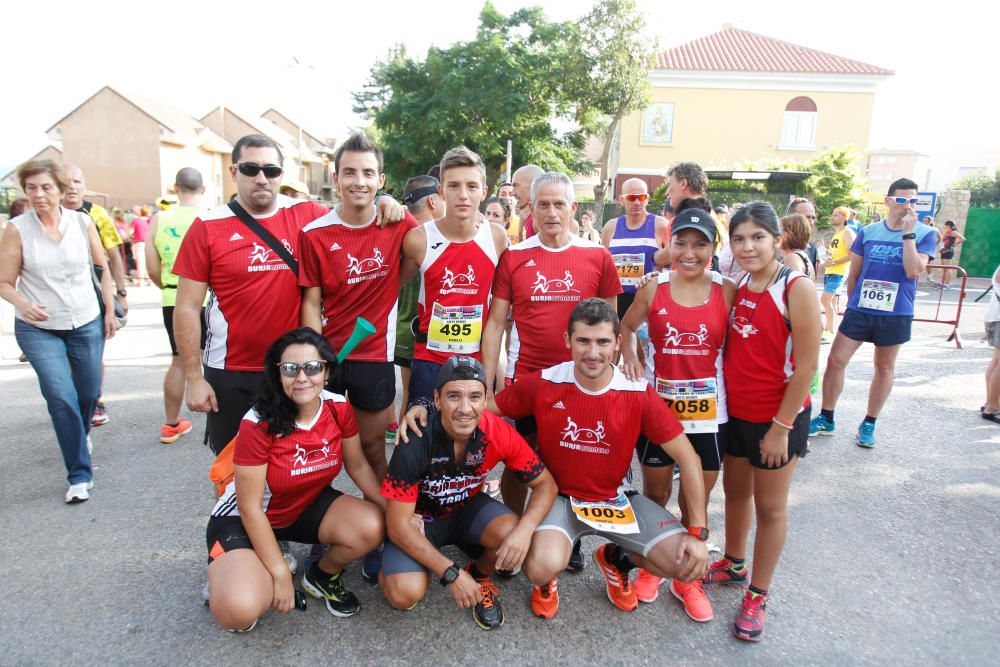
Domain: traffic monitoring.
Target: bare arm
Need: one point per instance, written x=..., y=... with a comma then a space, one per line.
x=312, y=306
x=359, y=470
x=511, y=553
x=608, y=232
x=10, y=269
x=914, y=263
x=250, y=481
x=692, y=479
x=107, y=288
x=187, y=332
x=631, y=323
x=154, y=266
x=857, y=261
x=492, y=334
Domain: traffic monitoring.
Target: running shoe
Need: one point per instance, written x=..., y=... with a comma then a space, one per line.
x=695, y=601
x=339, y=601
x=100, y=417
x=646, y=586
x=487, y=614
x=545, y=599
x=990, y=415
x=826, y=337
x=677, y=471
x=749, y=623
x=78, y=493
x=508, y=574
x=722, y=573
x=576, y=560
x=170, y=433
x=390, y=432
x=245, y=630
x=618, y=586
x=372, y=565
x=820, y=425
x=866, y=435
x=286, y=552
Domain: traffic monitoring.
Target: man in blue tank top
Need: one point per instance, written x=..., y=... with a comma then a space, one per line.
x=633, y=239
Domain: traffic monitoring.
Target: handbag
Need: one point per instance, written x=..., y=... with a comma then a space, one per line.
x=96, y=273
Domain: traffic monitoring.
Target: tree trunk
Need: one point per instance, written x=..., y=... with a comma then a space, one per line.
x=601, y=189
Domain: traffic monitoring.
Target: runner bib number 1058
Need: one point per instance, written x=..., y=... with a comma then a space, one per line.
x=695, y=402
x=455, y=329
x=878, y=295
x=610, y=516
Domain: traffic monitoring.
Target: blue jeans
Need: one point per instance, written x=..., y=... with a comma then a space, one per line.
x=68, y=364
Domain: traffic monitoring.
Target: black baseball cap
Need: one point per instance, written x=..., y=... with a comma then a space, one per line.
x=471, y=370
x=694, y=218
x=412, y=193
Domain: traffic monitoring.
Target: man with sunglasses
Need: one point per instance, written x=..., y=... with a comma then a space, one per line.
x=633, y=239
x=255, y=296
x=886, y=259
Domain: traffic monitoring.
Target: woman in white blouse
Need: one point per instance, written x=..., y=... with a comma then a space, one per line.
x=46, y=258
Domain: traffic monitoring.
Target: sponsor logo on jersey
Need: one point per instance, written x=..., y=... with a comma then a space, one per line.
x=437, y=245
x=264, y=259
x=462, y=283
x=661, y=311
x=686, y=343
x=584, y=439
x=359, y=270
x=530, y=262
x=335, y=247
x=558, y=405
x=554, y=289
x=742, y=326
x=236, y=237
x=451, y=490
x=305, y=461
x=881, y=252
x=475, y=459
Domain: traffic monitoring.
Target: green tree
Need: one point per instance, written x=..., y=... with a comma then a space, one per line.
x=607, y=78
x=502, y=85
x=985, y=191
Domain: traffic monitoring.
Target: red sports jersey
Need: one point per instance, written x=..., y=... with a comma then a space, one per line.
x=454, y=297
x=254, y=296
x=299, y=465
x=758, y=357
x=544, y=285
x=688, y=352
x=585, y=439
x=358, y=271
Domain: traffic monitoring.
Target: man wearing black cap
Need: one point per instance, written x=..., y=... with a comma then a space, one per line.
x=439, y=475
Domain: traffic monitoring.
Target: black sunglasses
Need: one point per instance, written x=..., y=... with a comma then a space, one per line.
x=251, y=169
x=290, y=369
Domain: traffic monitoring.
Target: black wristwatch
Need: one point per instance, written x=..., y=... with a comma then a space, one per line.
x=122, y=293
x=907, y=237
x=450, y=575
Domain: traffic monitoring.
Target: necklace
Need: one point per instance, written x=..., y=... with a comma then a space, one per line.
x=747, y=329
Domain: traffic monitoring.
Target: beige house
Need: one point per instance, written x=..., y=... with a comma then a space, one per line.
x=885, y=165
x=735, y=97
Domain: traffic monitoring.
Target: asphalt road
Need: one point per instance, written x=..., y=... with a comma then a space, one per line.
x=889, y=558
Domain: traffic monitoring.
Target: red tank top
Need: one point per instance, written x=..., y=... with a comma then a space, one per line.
x=454, y=297
x=758, y=356
x=687, y=356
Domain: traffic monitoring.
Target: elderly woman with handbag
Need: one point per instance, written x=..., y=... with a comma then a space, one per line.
x=47, y=260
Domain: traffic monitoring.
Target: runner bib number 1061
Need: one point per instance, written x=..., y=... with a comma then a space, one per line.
x=455, y=329
x=878, y=295
x=610, y=516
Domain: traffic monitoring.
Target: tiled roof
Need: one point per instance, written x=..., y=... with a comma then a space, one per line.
x=733, y=50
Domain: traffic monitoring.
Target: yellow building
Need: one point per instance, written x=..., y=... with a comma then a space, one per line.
x=735, y=97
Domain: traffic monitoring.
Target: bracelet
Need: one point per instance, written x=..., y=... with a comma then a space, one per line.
x=783, y=423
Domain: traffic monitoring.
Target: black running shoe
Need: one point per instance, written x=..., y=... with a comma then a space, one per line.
x=488, y=614
x=576, y=561
x=339, y=601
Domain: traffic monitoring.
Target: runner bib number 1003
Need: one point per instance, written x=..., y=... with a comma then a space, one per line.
x=629, y=267
x=455, y=329
x=878, y=295
x=610, y=516
x=695, y=402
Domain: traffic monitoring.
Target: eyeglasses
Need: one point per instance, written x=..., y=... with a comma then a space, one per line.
x=913, y=201
x=640, y=197
x=250, y=169
x=290, y=369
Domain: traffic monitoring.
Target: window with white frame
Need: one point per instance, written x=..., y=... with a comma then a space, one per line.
x=798, y=131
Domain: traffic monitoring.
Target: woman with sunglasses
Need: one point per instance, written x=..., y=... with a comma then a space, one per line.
x=291, y=446
x=769, y=363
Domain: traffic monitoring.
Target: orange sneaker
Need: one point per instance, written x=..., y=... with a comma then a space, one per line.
x=173, y=433
x=647, y=586
x=695, y=601
x=619, y=587
x=545, y=599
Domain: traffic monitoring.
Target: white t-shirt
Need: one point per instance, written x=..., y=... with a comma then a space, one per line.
x=993, y=310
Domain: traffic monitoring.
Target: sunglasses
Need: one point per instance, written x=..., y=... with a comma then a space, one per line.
x=913, y=201
x=640, y=197
x=290, y=369
x=250, y=169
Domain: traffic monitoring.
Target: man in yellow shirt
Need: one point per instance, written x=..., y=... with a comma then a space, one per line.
x=836, y=266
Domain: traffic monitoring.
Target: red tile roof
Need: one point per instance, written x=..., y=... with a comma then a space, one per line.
x=733, y=50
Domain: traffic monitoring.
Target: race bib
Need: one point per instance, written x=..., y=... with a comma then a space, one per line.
x=455, y=329
x=878, y=295
x=630, y=268
x=695, y=402
x=611, y=516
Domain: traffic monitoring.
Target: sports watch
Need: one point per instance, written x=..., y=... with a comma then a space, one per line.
x=698, y=531
x=911, y=235
x=450, y=575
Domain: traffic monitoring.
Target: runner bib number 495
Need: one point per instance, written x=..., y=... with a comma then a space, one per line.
x=695, y=402
x=610, y=516
x=878, y=295
x=629, y=267
x=455, y=329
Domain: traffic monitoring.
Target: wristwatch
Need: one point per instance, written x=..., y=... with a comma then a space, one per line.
x=450, y=575
x=122, y=293
x=907, y=237
x=699, y=531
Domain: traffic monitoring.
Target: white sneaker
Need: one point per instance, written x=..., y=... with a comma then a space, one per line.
x=77, y=493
